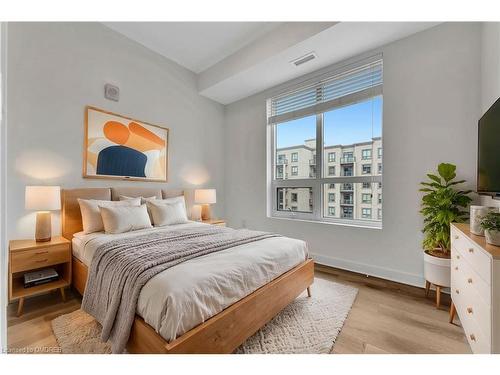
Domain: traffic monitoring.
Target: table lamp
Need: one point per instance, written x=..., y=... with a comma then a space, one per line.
x=43, y=199
x=205, y=197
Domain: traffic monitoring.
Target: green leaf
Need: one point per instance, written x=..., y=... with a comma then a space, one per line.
x=434, y=178
x=447, y=171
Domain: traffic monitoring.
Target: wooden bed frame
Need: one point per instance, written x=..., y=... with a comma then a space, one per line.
x=222, y=333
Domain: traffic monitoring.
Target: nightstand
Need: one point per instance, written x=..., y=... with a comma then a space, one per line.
x=218, y=222
x=29, y=255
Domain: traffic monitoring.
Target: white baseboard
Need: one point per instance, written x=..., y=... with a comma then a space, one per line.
x=370, y=270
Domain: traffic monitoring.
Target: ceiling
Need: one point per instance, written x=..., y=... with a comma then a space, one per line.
x=234, y=60
x=194, y=45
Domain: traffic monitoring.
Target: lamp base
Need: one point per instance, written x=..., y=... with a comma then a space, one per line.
x=205, y=212
x=43, y=230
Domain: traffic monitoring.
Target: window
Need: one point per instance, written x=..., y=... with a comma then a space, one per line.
x=366, y=213
x=380, y=185
x=379, y=214
x=379, y=168
x=379, y=152
x=340, y=115
x=379, y=198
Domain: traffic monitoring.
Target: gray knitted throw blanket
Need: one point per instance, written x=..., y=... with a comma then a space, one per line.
x=120, y=268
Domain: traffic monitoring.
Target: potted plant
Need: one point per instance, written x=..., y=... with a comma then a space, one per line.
x=491, y=225
x=442, y=204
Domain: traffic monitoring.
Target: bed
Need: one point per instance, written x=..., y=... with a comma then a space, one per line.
x=219, y=300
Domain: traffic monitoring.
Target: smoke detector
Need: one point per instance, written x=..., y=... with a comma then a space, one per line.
x=303, y=59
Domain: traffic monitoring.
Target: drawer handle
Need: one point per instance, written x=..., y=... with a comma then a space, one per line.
x=472, y=337
x=457, y=291
x=458, y=256
x=469, y=310
x=42, y=252
x=469, y=281
x=471, y=250
x=456, y=268
x=41, y=261
x=456, y=237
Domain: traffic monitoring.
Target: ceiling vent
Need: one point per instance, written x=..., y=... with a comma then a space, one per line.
x=303, y=59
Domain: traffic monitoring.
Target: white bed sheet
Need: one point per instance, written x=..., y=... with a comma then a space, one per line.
x=186, y=295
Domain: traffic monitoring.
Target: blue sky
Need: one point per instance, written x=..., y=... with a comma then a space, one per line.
x=346, y=125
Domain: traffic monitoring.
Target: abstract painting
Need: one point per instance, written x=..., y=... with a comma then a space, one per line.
x=124, y=148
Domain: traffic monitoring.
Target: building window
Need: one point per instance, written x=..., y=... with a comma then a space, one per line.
x=350, y=99
x=380, y=185
x=379, y=214
x=379, y=152
x=366, y=213
x=379, y=198
x=379, y=168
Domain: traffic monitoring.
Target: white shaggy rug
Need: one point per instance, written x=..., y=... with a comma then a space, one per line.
x=306, y=326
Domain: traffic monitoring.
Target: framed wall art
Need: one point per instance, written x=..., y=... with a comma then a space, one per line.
x=120, y=147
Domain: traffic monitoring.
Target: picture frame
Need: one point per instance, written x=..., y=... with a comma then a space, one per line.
x=124, y=148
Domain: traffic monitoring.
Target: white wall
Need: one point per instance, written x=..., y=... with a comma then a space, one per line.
x=3, y=240
x=56, y=69
x=431, y=107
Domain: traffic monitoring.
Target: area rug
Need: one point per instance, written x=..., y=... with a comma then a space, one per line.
x=306, y=326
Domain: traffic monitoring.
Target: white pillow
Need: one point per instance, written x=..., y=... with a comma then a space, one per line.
x=143, y=201
x=168, y=211
x=122, y=219
x=91, y=216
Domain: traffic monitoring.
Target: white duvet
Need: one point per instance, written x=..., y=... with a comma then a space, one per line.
x=186, y=295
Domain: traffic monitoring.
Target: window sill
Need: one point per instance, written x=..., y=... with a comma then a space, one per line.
x=357, y=224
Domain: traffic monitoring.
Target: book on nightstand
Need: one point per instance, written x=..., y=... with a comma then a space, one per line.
x=40, y=277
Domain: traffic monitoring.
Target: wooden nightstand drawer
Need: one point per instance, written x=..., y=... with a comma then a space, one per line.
x=37, y=258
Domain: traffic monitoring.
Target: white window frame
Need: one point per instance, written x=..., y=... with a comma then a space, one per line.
x=369, y=154
x=320, y=182
x=330, y=158
x=294, y=157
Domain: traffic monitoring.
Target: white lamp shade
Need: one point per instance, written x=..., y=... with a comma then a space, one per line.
x=42, y=198
x=205, y=196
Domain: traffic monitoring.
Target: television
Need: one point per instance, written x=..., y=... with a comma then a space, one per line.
x=488, y=158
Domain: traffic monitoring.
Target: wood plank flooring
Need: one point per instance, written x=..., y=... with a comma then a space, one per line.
x=386, y=317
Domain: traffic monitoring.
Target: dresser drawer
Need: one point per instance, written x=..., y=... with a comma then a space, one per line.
x=470, y=277
x=37, y=258
x=471, y=305
x=473, y=254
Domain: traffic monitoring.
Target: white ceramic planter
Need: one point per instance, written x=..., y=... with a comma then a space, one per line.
x=437, y=270
x=477, y=213
x=492, y=237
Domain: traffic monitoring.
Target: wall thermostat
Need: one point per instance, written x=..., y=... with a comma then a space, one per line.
x=111, y=92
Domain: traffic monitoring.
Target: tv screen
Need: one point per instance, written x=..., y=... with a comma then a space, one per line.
x=488, y=159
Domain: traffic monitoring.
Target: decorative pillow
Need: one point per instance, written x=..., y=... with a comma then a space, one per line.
x=143, y=201
x=122, y=219
x=168, y=211
x=91, y=216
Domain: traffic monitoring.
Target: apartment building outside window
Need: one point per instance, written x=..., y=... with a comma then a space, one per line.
x=379, y=169
x=366, y=154
x=379, y=152
x=312, y=125
x=379, y=213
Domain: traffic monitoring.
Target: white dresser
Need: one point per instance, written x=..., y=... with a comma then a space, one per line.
x=475, y=288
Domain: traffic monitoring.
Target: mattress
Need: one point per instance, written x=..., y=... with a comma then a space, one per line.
x=184, y=296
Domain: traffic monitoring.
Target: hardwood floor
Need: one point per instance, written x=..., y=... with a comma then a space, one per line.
x=386, y=317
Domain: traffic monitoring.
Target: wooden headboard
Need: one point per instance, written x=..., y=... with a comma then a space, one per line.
x=71, y=217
